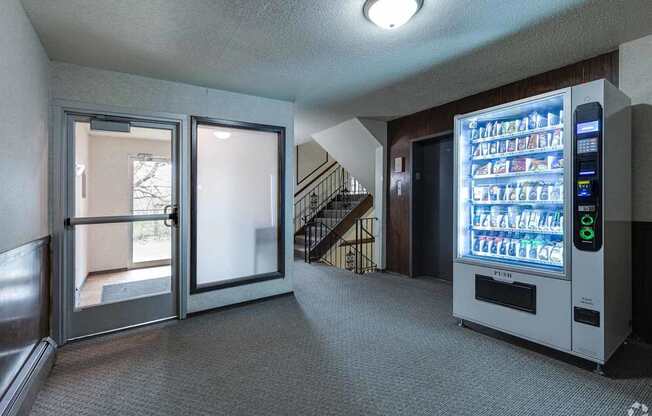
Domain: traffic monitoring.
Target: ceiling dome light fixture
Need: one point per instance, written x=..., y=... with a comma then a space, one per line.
x=222, y=135
x=390, y=14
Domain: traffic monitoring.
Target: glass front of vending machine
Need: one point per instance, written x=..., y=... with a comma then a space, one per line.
x=511, y=207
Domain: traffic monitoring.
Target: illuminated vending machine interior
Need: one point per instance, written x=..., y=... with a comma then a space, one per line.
x=543, y=219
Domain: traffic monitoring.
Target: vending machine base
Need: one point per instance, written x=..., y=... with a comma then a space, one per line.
x=527, y=306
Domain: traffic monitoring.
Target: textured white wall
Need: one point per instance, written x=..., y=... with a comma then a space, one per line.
x=140, y=94
x=379, y=130
x=354, y=147
x=109, y=189
x=23, y=129
x=636, y=81
x=79, y=83
x=311, y=159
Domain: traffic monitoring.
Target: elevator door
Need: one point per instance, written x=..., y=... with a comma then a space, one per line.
x=432, y=207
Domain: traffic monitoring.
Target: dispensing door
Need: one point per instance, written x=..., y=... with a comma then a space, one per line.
x=121, y=226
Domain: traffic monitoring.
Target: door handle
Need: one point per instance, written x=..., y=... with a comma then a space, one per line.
x=173, y=216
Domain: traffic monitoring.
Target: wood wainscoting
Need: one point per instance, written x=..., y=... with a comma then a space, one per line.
x=26, y=354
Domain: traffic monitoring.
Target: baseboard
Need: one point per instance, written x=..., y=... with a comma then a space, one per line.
x=20, y=395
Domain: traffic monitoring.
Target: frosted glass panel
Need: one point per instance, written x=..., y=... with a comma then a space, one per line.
x=237, y=204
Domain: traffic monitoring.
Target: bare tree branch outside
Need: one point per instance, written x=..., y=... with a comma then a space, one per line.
x=152, y=192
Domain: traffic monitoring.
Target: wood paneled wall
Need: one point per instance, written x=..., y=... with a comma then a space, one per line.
x=402, y=131
x=25, y=311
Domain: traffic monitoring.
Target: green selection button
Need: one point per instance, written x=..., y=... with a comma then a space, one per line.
x=587, y=233
x=587, y=219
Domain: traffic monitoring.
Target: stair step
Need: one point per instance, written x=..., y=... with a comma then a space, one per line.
x=300, y=242
x=327, y=221
x=351, y=197
x=341, y=205
x=335, y=213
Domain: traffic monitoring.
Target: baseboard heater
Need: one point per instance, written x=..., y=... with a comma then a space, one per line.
x=19, y=397
x=515, y=295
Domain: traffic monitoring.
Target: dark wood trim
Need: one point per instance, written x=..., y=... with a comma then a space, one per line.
x=439, y=119
x=246, y=280
x=315, y=179
x=298, y=182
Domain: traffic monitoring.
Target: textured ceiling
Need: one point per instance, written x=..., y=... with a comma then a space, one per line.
x=324, y=54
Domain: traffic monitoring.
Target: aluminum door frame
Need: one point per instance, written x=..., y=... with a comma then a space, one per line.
x=59, y=156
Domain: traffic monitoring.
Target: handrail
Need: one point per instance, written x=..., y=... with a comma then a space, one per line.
x=356, y=259
x=338, y=182
x=313, y=180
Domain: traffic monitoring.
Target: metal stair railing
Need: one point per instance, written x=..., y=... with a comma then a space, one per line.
x=338, y=183
x=340, y=253
x=365, y=240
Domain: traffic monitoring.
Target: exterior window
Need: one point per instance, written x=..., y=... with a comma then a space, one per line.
x=151, y=194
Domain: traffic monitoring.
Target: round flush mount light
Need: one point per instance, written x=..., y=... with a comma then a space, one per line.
x=390, y=14
x=222, y=135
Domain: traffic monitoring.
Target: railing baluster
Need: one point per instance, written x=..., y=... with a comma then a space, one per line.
x=306, y=244
x=336, y=253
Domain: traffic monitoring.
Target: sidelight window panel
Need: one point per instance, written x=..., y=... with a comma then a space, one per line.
x=237, y=206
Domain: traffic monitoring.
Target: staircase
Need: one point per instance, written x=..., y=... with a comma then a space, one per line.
x=325, y=245
x=339, y=215
x=326, y=212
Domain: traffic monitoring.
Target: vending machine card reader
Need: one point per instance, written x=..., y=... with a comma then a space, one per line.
x=587, y=156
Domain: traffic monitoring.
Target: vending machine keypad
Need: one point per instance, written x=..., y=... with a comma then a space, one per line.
x=587, y=155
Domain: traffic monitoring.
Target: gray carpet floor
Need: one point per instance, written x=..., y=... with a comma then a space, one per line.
x=343, y=345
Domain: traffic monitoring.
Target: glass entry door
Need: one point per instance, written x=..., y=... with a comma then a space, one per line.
x=121, y=227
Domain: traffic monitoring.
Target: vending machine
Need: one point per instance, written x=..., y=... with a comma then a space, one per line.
x=543, y=219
